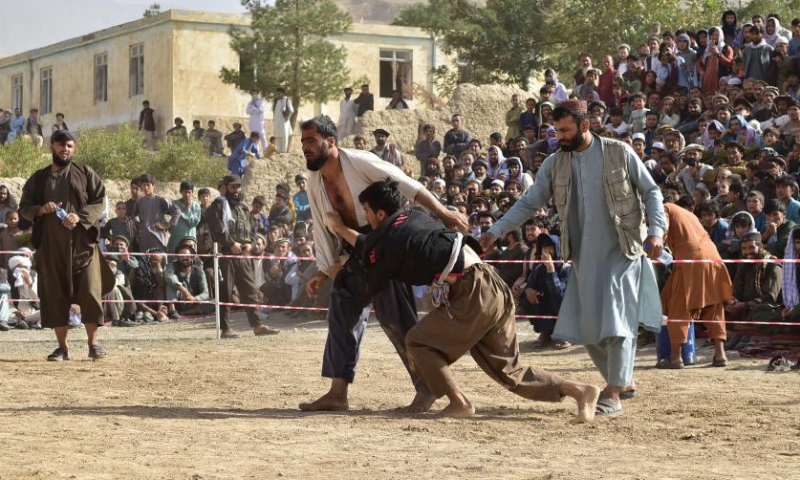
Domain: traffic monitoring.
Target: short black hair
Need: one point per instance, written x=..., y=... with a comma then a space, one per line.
x=751, y=237
x=186, y=185
x=323, y=125
x=707, y=207
x=774, y=205
x=561, y=113
x=203, y=191
x=382, y=195
x=786, y=181
x=147, y=178
x=61, y=136
x=737, y=188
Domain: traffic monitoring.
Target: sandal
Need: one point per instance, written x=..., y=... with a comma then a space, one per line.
x=262, y=330
x=628, y=394
x=540, y=345
x=719, y=363
x=608, y=408
x=58, y=355
x=779, y=363
x=96, y=352
x=561, y=344
x=666, y=364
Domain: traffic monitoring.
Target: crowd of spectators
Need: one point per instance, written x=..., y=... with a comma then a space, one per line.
x=713, y=114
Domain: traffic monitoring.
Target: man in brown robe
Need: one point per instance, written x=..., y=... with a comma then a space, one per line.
x=696, y=291
x=63, y=201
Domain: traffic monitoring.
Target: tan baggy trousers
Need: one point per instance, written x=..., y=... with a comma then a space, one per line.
x=479, y=320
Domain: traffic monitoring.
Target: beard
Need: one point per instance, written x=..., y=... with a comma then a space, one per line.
x=61, y=162
x=234, y=198
x=573, y=143
x=315, y=164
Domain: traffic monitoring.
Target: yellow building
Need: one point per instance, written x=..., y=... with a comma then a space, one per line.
x=174, y=60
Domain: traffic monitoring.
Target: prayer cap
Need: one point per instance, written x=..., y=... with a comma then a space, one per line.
x=638, y=136
x=658, y=146
x=121, y=237
x=725, y=106
x=300, y=176
x=576, y=107
x=231, y=180
x=482, y=163
x=380, y=131
x=499, y=183
x=692, y=146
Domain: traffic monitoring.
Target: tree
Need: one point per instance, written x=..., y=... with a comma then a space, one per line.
x=503, y=40
x=287, y=46
x=152, y=11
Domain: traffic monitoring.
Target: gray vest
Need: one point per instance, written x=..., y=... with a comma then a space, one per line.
x=622, y=197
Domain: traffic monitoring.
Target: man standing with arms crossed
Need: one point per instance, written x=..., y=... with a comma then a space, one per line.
x=598, y=186
x=337, y=177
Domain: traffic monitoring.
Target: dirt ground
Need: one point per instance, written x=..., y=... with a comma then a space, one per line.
x=171, y=402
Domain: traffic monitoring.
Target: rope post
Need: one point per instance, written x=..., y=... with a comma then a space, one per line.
x=216, y=290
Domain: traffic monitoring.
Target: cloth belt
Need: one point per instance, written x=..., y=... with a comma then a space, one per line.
x=440, y=289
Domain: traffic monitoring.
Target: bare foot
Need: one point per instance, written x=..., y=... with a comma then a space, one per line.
x=458, y=410
x=587, y=402
x=422, y=403
x=326, y=403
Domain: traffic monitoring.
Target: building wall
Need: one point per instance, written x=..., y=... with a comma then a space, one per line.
x=184, y=52
x=73, y=78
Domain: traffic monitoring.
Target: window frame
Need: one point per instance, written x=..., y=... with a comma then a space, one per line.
x=17, y=91
x=136, y=84
x=46, y=90
x=100, y=91
x=391, y=56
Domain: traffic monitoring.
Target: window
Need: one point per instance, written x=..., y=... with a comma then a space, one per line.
x=101, y=78
x=395, y=72
x=247, y=71
x=137, y=70
x=46, y=91
x=16, y=91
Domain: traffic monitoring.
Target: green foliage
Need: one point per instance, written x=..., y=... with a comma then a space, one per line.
x=179, y=160
x=21, y=158
x=786, y=9
x=504, y=39
x=508, y=41
x=118, y=154
x=152, y=11
x=287, y=45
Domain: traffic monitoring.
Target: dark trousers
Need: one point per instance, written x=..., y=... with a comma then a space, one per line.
x=347, y=320
x=239, y=273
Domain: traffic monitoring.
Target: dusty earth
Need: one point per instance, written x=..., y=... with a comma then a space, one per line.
x=172, y=402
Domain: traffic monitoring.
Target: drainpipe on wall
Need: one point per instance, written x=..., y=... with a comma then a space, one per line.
x=431, y=79
x=30, y=84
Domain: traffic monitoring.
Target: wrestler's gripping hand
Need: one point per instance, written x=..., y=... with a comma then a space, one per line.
x=455, y=221
x=487, y=240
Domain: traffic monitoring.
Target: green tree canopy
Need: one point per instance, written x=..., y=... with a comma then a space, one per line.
x=287, y=46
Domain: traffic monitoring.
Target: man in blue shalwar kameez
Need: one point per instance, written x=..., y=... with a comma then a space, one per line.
x=599, y=186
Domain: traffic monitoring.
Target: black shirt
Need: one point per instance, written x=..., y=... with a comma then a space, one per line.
x=409, y=247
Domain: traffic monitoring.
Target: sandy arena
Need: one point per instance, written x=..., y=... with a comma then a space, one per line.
x=171, y=402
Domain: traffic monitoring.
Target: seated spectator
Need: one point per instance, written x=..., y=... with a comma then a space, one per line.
x=280, y=212
x=701, y=195
x=213, y=139
x=785, y=191
x=24, y=283
x=730, y=249
x=545, y=290
x=148, y=283
x=7, y=204
x=298, y=277
x=776, y=233
x=791, y=293
x=757, y=286
x=178, y=131
x=186, y=282
x=117, y=309
x=709, y=216
x=514, y=249
x=5, y=305
x=755, y=207
x=735, y=201
x=9, y=237
x=260, y=221
x=276, y=290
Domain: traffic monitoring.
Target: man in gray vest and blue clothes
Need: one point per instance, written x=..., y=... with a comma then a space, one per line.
x=599, y=186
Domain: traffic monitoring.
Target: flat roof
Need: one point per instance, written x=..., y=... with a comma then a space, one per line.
x=189, y=16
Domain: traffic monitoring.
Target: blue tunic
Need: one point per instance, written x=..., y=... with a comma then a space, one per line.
x=608, y=294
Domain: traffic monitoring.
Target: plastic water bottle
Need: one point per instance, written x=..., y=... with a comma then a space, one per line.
x=665, y=258
x=688, y=350
x=62, y=215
